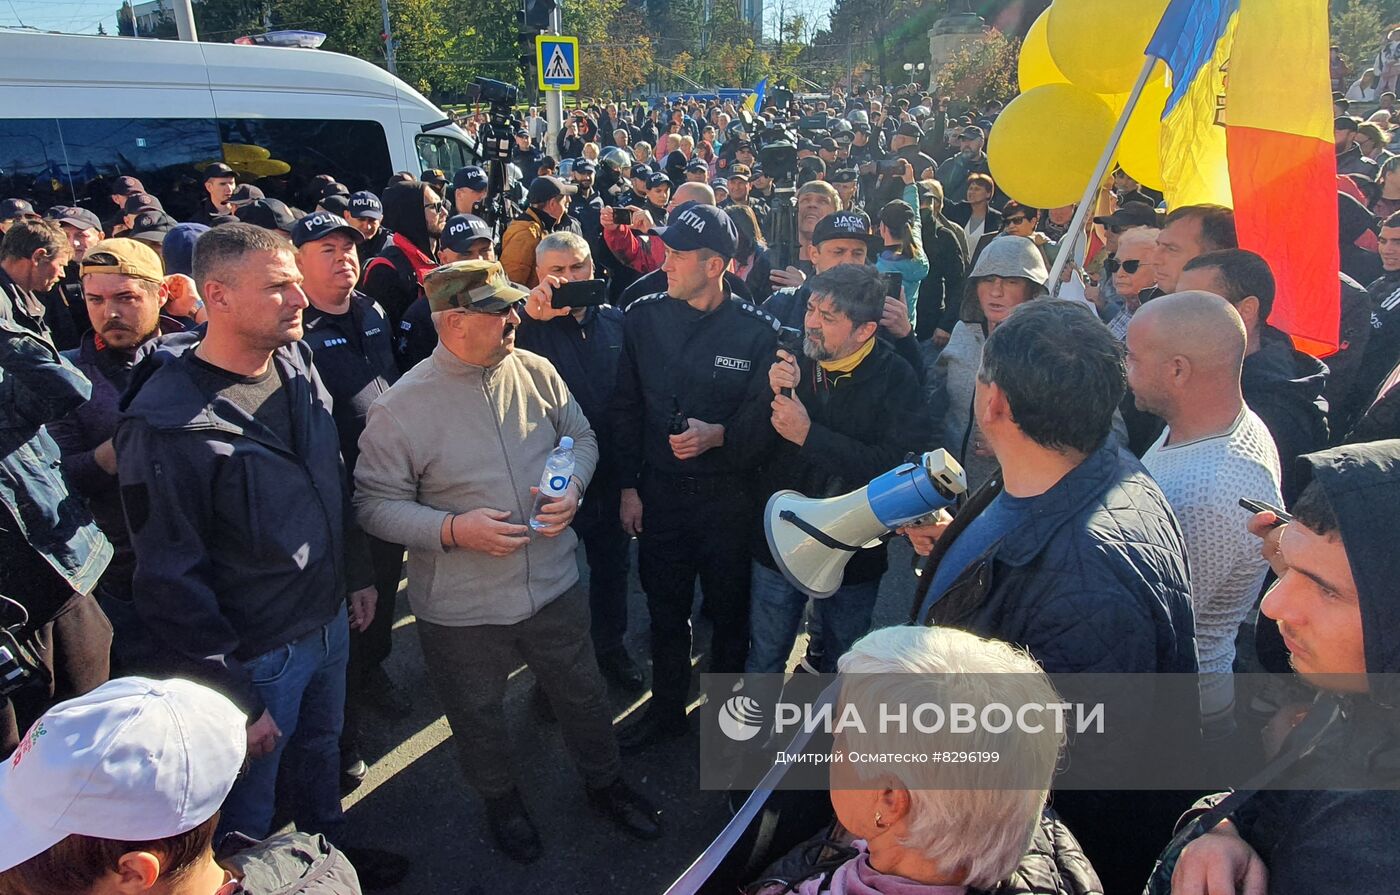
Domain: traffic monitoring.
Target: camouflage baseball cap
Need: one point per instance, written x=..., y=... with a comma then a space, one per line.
x=471, y=285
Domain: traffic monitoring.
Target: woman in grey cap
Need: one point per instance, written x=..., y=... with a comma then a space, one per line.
x=1010, y=272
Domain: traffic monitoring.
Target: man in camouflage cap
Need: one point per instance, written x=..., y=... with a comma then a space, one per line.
x=452, y=480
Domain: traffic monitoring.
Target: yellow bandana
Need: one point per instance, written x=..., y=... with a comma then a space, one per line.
x=847, y=364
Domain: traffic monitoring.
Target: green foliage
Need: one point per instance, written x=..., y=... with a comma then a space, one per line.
x=126, y=20
x=1357, y=29
x=983, y=69
x=626, y=45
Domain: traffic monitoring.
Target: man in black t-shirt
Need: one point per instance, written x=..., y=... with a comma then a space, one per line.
x=250, y=569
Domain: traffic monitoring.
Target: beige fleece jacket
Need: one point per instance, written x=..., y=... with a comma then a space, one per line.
x=450, y=437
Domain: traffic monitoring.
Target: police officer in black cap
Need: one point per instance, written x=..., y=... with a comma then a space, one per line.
x=636, y=193
x=760, y=192
x=847, y=184
x=696, y=171
x=366, y=214
x=219, y=183
x=465, y=237
x=586, y=206
x=526, y=156
x=688, y=417
x=469, y=188
x=350, y=341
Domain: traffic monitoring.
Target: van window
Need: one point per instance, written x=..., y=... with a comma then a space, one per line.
x=31, y=161
x=443, y=152
x=281, y=156
x=165, y=153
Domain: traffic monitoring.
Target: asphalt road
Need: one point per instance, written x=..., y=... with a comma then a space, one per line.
x=415, y=802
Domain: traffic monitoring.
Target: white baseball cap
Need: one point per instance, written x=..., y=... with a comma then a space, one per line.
x=134, y=760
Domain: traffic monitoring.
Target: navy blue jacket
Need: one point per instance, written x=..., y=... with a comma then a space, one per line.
x=81, y=432
x=1097, y=581
x=37, y=387
x=240, y=539
x=715, y=365
x=355, y=359
x=586, y=355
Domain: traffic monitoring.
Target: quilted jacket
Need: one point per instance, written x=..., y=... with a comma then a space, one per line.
x=1053, y=864
x=1097, y=581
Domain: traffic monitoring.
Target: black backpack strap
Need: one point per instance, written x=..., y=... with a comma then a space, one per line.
x=1326, y=709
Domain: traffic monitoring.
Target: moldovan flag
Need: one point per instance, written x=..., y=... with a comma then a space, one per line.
x=1249, y=124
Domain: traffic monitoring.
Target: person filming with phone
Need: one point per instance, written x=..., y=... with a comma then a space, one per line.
x=568, y=321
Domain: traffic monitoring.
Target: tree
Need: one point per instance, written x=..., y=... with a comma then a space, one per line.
x=983, y=69
x=126, y=20
x=1357, y=29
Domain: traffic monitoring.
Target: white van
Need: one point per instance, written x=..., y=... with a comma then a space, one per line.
x=77, y=111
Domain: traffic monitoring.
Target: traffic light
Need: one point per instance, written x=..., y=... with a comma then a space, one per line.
x=534, y=15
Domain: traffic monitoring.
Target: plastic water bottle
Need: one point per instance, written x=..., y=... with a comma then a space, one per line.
x=558, y=469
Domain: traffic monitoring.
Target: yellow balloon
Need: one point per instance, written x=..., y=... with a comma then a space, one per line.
x=1044, y=145
x=242, y=152
x=1034, y=67
x=1140, y=150
x=1099, y=44
x=266, y=167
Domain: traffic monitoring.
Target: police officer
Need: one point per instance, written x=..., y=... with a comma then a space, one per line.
x=526, y=156
x=366, y=214
x=465, y=237
x=350, y=341
x=586, y=206
x=689, y=414
x=636, y=194
x=847, y=183
x=219, y=183
x=469, y=188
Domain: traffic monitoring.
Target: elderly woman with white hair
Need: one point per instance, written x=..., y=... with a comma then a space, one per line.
x=939, y=828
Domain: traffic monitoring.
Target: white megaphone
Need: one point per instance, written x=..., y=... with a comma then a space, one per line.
x=812, y=539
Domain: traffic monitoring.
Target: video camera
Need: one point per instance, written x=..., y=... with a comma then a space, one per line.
x=496, y=136
x=777, y=151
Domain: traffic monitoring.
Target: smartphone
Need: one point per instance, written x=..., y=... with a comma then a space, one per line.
x=622, y=216
x=894, y=283
x=584, y=294
x=1258, y=506
x=893, y=167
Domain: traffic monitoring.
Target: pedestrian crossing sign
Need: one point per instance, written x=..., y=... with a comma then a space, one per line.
x=556, y=59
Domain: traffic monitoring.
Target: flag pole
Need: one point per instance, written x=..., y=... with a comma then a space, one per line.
x=1076, y=226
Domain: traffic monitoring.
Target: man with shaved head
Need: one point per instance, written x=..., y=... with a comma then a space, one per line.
x=1285, y=386
x=1184, y=356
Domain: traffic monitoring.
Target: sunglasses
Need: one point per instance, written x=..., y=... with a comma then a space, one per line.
x=502, y=312
x=1018, y=219
x=1112, y=266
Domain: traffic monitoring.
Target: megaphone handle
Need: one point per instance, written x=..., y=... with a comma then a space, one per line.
x=921, y=569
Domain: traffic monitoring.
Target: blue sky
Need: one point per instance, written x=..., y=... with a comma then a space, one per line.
x=74, y=16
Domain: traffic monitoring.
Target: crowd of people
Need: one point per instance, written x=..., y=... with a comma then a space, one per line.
x=228, y=439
